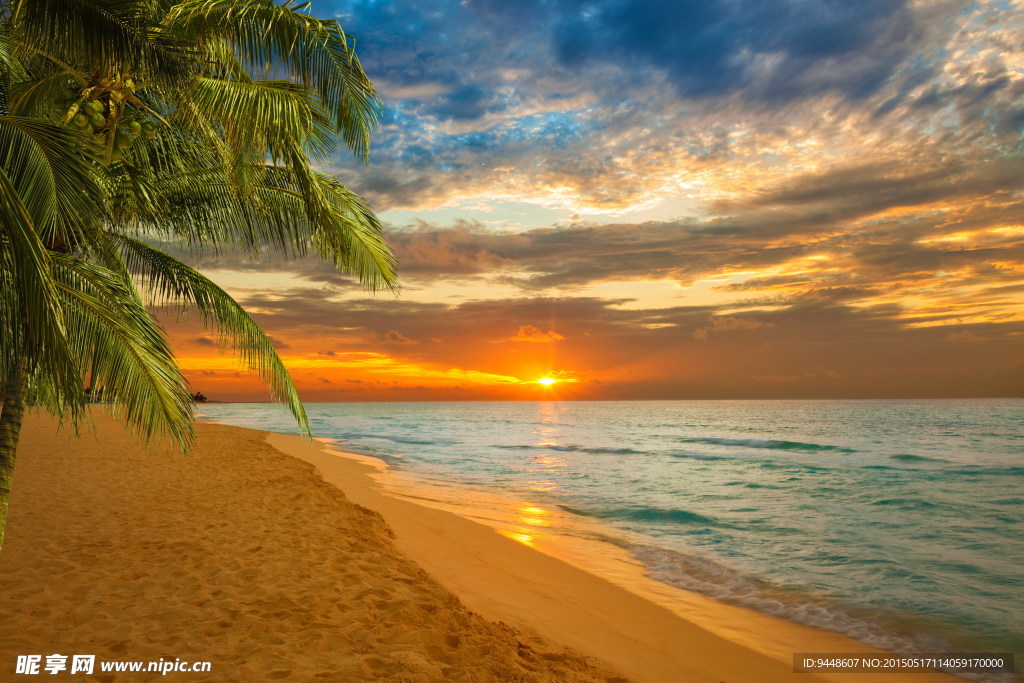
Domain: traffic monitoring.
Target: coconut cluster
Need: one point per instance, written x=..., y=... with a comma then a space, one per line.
x=94, y=117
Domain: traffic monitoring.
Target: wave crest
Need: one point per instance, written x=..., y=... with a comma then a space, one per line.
x=772, y=444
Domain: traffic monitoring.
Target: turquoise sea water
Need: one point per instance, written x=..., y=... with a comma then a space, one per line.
x=900, y=523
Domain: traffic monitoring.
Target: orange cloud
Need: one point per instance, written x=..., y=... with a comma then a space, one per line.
x=529, y=333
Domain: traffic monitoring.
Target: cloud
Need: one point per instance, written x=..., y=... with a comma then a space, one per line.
x=612, y=104
x=278, y=343
x=705, y=47
x=940, y=235
x=924, y=236
x=393, y=337
x=847, y=174
x=464, y=248
x=775, y=49
x=965, y=337
x=728, y=324
x=529, y=333
x=205, y=341
x=823, y=347
x=949, y=235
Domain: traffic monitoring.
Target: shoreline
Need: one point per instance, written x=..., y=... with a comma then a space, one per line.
x=273, y=558
x=834, y=520
x=606, y=609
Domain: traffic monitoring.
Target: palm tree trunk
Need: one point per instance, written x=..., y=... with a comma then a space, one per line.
x=10, y=429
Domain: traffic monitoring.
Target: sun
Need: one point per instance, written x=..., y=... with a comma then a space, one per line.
x=546, y=381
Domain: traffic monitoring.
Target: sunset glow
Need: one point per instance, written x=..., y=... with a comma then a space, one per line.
x=772, y=219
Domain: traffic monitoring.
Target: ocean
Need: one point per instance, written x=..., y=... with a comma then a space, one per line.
x=897, y=522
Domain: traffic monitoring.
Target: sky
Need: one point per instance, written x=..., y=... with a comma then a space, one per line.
x=667, y=200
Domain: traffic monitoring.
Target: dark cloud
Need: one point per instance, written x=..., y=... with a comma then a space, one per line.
x=727, y=323
x=464, y=248
x=857, y=190
x=533, y=334
x=566, y=91
x=706, y=47
x=554, y=257
x=776, y=50
x=465, y=102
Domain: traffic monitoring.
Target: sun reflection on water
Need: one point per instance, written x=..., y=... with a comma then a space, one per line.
x=533, y=516
x=547, y=464
x=531, y=524
x=525, y=539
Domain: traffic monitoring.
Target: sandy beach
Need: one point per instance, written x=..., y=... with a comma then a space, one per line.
x=274, y=559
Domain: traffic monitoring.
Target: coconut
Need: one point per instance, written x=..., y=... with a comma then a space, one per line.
x=93, y=107
x=81, y=120
x=148, y=131
x=134, y=128
x=115, y=154
x=122, y=139
x=97, y=121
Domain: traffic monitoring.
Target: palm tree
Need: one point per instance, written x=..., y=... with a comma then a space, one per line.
x=130, y=123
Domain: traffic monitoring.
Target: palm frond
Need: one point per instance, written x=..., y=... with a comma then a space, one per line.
x=53, y=170
x=277, y=219
x=348, y=233
x=37, y=192
x=117, y=35
x=9, y=62
x=172, y=281
x=122, y=349
x=33, y=96
x=37, y=331
x=280, y=114
x=279, y=40
x=246, y=93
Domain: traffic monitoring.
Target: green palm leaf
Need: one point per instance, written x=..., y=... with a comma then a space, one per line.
x=278, y=219
x=280, y=114
x=47, y=194
x=122, y=349
x=37, y=334
x=117, y=36
x=55, y=174
x=314, y=52
x=171, y=281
